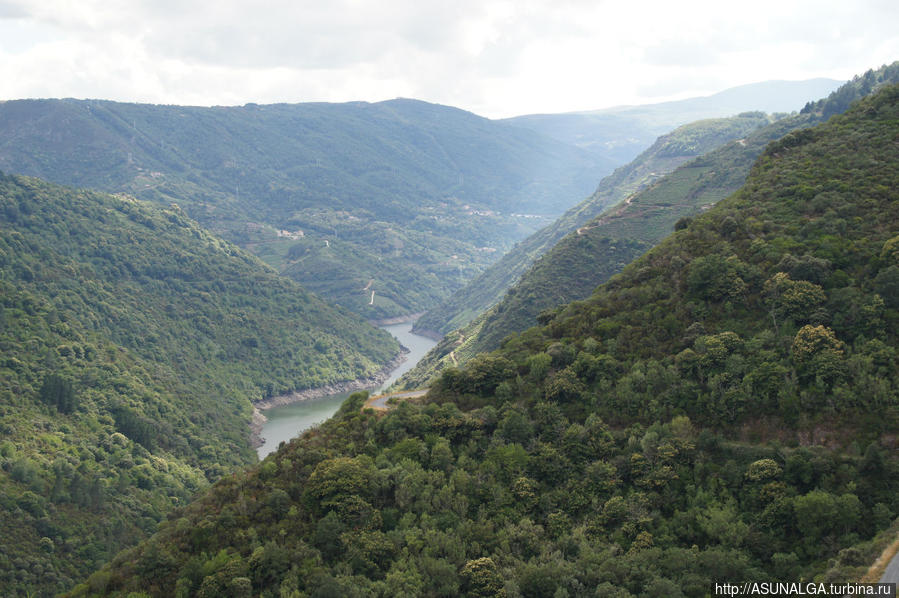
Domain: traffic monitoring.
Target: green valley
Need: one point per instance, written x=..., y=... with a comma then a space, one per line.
x=408, y=199
x=723, y=409
x=668, y=152
x=133, y=342
x=595, y=249
x=415, y=197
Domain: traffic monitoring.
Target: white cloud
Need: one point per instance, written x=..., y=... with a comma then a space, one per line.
x=495, y=57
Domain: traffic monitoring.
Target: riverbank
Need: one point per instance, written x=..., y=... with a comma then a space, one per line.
x=373, y=381
x=396, y=320
x=431, y=334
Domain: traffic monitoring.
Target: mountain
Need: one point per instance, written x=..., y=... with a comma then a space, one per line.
x=415, y=198
x=723, y=409
x=663, y=156
x=593, y=250
x=602, y=247
x=625, y=131
x=404, y=199
x=133, y=342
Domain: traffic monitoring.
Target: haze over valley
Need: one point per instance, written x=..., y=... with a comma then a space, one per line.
x=477, y=300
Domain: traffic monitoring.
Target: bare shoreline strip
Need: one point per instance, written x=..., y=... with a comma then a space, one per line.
x=297, y=396
x=396, y=320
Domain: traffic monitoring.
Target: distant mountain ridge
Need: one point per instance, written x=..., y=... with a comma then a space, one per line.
x=624, y=131
x=724, y=408
x=666, y=153
x=641, y=125
x=602, y=246
x=415, y=197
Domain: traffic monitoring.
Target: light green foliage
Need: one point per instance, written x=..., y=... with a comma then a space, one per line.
x=538, y=366
x=606, y=244
x=481, y=578
x=132, y=344
x=815, y=342
x=665, y=471
x=415, y=197
x=611, y=236
x=763, y=470
x=796, y=300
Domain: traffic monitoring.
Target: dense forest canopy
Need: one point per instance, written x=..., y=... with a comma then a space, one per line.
x=723, y=409
x=412, y=196
x=132, y=343
x=599, y=247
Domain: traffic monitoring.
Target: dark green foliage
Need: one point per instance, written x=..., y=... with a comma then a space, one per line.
x=135, y=426
x=132, y=344
x=712, y=322
x=658, y=507
x=59, y=392
x=667, y=153
x=604, y=245
x=887, y=285
x=659, y=436
x=860, y=86
x=416, y=198
x=714, y=278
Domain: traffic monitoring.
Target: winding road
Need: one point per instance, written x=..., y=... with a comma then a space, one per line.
x=891, y=573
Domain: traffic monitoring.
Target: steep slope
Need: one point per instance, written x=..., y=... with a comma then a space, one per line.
x=591, y=254
x=663, y=156
x=132, y=344
x=625, y=131
x=797, y=266
x=770, y=320
x=603, y=245
x=415, y=197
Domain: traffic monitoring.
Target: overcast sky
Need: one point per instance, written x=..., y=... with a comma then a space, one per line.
x=495, y=58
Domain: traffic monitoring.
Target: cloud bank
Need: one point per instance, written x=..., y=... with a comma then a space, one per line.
x=496, y=58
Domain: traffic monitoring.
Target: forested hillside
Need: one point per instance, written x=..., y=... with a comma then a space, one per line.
x=132, y=344
x=414, y=197
x=668, y=152
x=722, y=410
x=602, y=246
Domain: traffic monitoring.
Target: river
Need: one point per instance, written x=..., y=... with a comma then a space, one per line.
x=288, y=421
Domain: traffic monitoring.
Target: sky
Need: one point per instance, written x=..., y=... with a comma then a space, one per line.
x=496, y=58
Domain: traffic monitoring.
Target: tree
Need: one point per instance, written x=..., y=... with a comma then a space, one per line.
x=334, y=480
x=565, y=387
x=797, y=300
x=887, y=285
x=818, y=353
x=763, y=470
x=816, y=515
x=481, y=578
x=714, y=278
x=327, y=536
x=59, y=392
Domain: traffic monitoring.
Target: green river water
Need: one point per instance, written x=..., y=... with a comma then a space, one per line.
x=289, y=421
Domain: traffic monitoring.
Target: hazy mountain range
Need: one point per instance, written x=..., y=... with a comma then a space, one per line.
x=724, y=408
x=414, y=198
x=652, y=434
